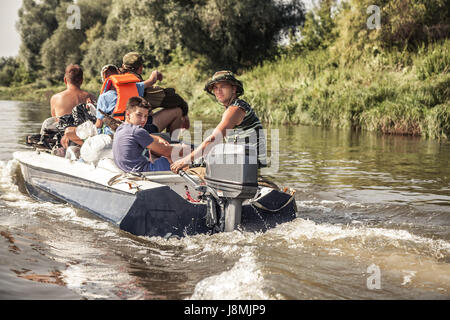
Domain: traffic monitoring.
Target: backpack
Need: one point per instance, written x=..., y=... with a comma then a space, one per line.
x=165, y=98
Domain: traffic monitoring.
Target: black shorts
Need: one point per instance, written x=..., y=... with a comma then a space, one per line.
x=150, y=127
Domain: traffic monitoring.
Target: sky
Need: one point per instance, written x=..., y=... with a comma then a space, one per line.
x=10, y=37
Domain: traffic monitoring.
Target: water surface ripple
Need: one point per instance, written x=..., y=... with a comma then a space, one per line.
x=365, y=200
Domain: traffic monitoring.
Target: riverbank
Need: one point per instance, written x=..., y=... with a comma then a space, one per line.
x=394, y=93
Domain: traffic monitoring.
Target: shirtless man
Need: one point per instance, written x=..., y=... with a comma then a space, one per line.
x=62, y=103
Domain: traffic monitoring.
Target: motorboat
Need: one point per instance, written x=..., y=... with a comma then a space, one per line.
x=162, y=204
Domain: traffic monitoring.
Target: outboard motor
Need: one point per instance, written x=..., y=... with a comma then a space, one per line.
x=232, y=174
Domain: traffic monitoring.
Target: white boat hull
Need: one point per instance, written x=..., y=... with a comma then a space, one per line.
x=154, y=206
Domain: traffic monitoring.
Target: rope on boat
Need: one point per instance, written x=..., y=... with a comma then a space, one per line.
x=128, y=178
x=255, y=203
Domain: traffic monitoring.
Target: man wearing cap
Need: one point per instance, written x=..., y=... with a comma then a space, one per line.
x=113, y=97
x=165, y=98
x=133, y=63
x=239, y=121
x=117, y=90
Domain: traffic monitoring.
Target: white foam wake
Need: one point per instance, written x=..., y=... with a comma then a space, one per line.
x=358, y=237
x=243, y=281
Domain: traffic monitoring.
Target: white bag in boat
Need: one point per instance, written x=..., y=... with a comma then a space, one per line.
x=73, y=153
x=86, y=130
x=96, y=148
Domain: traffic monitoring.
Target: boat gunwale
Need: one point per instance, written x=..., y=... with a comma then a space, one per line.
x=145, y=179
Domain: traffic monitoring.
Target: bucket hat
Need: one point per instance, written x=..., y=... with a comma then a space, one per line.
x=226, y=76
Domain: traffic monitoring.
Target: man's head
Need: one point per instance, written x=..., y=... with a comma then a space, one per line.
x=137, y=111
x=108, y=70
x=74, y=75
x=133, y=61
x=224, y=86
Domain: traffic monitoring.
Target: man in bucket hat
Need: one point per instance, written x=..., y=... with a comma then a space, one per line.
x=239, y=121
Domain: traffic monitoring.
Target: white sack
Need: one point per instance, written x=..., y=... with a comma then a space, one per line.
x=86, y=130
x=96, y=148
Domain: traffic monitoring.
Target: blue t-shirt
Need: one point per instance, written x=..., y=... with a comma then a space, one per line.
x=129, y=143
x=107, y=103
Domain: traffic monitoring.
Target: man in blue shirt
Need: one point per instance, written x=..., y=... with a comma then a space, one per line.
x=131, y=139
x=167, y=119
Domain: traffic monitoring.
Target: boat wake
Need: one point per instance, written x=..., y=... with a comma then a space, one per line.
x=331, y=243
x=244, y=281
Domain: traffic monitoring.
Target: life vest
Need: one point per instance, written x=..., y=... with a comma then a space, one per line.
x=125, y=85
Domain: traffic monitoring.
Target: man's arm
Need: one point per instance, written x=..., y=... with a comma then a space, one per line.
x=232, y=117
x=101, y=106
x=99, y=123
x=161, y=150
x=155, y=76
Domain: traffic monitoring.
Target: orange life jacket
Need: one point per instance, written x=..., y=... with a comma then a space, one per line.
x=125, y=85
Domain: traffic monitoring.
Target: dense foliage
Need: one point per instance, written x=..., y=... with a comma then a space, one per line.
x=231, y=34
x=367, y=64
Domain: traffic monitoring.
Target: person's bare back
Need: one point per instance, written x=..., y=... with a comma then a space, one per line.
x=62, y=103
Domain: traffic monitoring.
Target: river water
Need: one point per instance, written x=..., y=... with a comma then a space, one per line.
x=374, y=224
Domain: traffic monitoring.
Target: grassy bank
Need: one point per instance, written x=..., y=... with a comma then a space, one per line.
x=29, y=93
x=394, y=93
x=38, y=93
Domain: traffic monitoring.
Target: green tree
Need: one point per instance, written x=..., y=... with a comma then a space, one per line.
x=101, y=52
x=37, y=22
x=229, y=33
x=403, y=24
x=411, y=23
x=241, y=33
x=8, y=66
x=319, y=30
x=67, y=45
x=59, y=51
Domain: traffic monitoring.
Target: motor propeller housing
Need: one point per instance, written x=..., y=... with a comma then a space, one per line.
x=232, y=173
